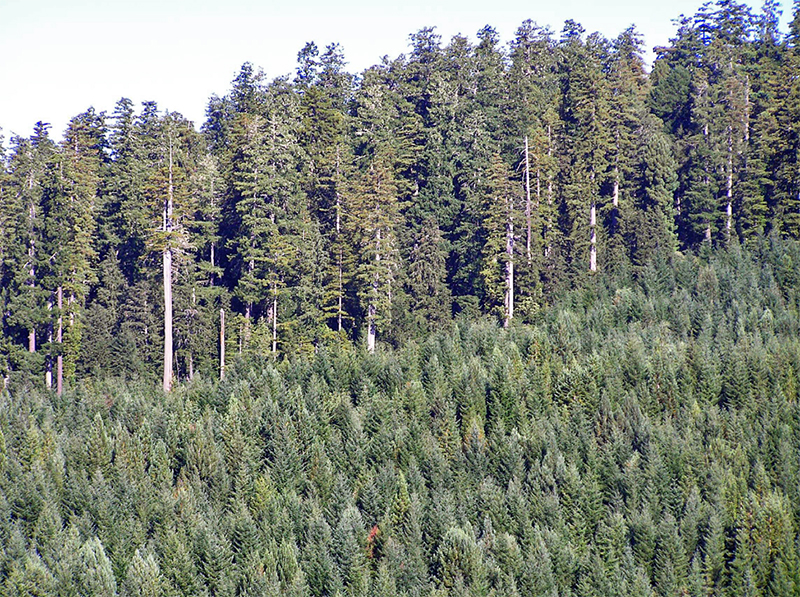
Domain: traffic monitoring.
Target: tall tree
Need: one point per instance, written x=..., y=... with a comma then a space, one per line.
x=375, y=213
x=585, y=111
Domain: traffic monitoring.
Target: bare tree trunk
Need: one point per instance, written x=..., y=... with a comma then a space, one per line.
x=371, y=309
x=341, y=292
x=48, y=374
x=371, y=328
x=32, y=271
x=191, y=352
x=593, y=238
x=222, y=344
x=592, y=228
x=509, y=315
x=729, y=187
x=549, y=226
x=615, y=195
x=340, y=256
x=59, y=339
x=528, y=201
x=167, y=222
x=274, y=321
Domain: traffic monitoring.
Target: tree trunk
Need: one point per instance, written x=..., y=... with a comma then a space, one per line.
x=59, y=338
x=32, y=271
x=168, y=367
x=274, y=321
x=341, y=292
x=48, y=374
x=549, y=225
x=340, y=256
x=509, y=315
x=593, y=238
x=592, y=229
x=222, y=344
x=729, y=187
x=371, y=328
x=371, y=309
x=528, y=201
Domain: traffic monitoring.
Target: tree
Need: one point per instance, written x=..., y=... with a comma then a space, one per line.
x=500, y=216
x=585, y=111
x=375, y=215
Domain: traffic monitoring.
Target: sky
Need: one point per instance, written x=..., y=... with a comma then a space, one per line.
x=60, y=57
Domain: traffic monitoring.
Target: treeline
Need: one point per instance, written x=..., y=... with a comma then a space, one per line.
x=642, y=439
x=465, y=179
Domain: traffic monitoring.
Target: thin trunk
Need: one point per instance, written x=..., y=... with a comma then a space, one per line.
x=274, y=322
x=549, y=225
x=248, y=314
x=167, y=320
x=592, y=228
x=509, y=315
x=48, y=374
x=168, y=283
x=340, y=256
x=593, y=238
x=615, y=196
x=371, y=327
x=528, y=200
x=341, y=292
x=32, y=271
x=59, y=338
x=222, y=344
x=191, y=352
x=729, y=187
x=372, y=310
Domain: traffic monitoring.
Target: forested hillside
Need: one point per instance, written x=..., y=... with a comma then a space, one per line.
x=641, y=439
x=495, y=321
x=465, y=179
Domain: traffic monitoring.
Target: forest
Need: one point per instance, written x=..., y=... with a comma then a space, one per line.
x=484, y=319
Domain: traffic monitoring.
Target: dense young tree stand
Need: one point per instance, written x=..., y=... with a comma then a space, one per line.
x=480, y=320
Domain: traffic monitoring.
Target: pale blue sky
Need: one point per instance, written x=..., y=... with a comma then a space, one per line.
x=58, y=57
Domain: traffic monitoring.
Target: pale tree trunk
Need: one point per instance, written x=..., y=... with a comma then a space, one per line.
x=371, y=328
x=371, y=309
x=729, y=187
x=274, y=321
x=341, y=292
x=248, y=315
x=167, y=320
x=32, y=271
x=340, y=256
x=549, y=225
x=708, y=224
x=509, y=299
x=528, y=200
x=167, y=222
x=222, y=344
x=746, y=119
x=59, y=339
x=191, y=353
x=48, y=374
x=592, y=229
x=615, y=194
x=593, y=238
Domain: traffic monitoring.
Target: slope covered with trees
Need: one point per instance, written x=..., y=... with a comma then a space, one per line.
x=461, y=179
x=640, y=439
x=498, y=320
